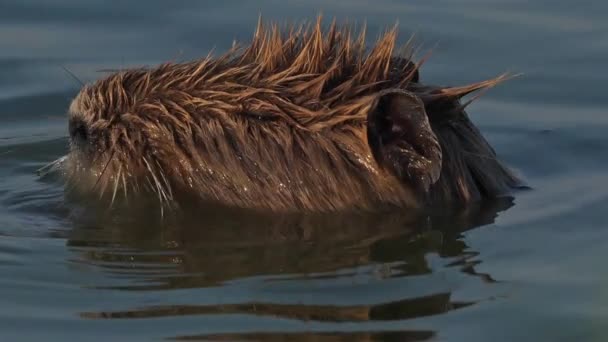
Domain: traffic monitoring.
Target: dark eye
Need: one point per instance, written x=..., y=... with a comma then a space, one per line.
x=78, y=131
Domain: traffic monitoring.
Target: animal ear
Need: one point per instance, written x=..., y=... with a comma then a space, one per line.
x=401, y=139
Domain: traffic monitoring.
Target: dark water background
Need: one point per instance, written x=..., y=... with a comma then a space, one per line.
x=534, y=272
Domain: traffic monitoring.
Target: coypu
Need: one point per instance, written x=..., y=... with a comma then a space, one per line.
x=302, y=119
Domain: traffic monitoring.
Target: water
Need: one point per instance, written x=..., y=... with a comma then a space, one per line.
x=531, y=270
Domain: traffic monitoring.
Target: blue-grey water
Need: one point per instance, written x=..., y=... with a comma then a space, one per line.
x=531, y=270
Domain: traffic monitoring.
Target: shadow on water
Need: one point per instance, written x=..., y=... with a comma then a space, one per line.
x=216, y=248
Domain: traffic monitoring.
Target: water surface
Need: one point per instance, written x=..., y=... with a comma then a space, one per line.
x=527, y=270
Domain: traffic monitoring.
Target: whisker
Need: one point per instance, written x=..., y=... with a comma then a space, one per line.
x=158, y=191
x=159, y=187
x=73, y=75
x=124, y=186
x=116, y=185
x=103, y=172
x=162, y=174
x=50, y=167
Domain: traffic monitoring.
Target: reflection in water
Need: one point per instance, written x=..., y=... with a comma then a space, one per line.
x=400, y=336
x=404, y=309
x=215, y=248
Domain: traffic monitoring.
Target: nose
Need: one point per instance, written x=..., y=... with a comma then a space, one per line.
x=78, y=131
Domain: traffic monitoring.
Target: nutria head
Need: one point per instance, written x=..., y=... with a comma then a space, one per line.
x=304, y=119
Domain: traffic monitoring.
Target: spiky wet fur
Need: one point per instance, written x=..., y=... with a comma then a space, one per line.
x=278, y=125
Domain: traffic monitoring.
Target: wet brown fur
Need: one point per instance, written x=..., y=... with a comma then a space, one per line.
x=280, y=124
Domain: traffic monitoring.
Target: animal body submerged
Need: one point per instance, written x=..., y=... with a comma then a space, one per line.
x=299, y=120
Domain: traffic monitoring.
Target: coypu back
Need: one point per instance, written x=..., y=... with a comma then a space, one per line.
x=299, y=120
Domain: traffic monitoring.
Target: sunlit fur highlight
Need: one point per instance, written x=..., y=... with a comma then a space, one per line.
x=279, y=124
